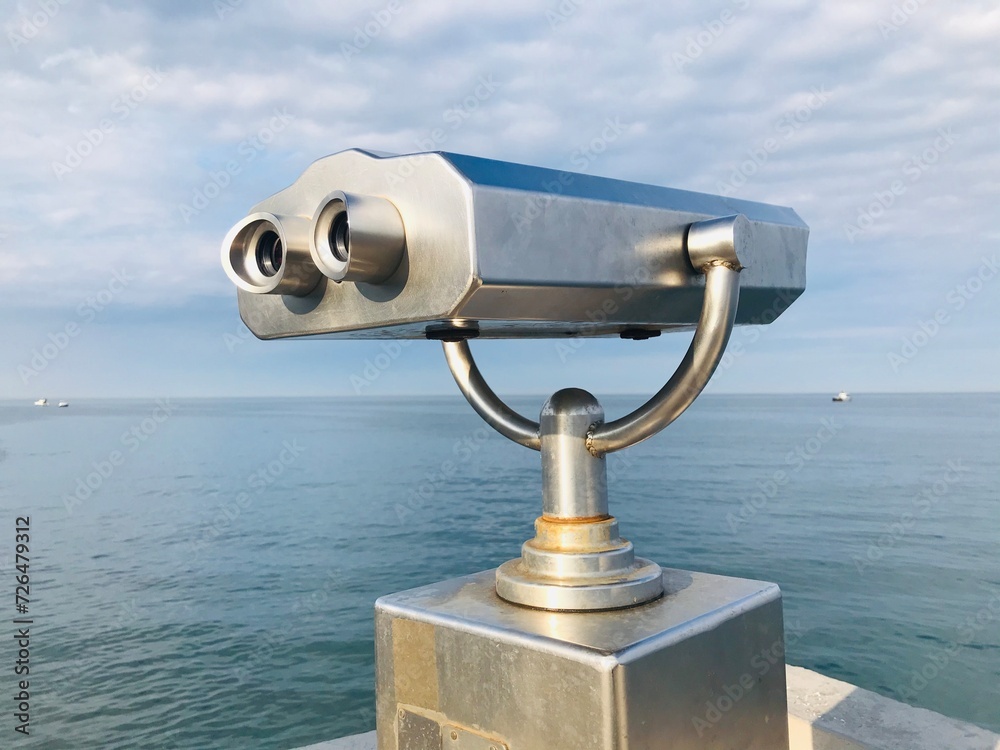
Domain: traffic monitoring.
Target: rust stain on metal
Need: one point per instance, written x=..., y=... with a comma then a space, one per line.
x=582, y=519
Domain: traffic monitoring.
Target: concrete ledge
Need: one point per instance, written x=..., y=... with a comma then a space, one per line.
x=827, y=714
x=357, y=742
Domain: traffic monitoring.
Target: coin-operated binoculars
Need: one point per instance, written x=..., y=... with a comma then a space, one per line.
x=578, y=643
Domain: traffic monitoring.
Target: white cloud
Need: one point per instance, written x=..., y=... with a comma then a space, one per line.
x=560, y=77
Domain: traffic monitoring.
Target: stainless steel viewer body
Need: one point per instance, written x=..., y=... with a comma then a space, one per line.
x=513, y=251
x=578, y=643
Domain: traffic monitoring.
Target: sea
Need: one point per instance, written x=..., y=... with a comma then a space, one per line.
x=201, y=573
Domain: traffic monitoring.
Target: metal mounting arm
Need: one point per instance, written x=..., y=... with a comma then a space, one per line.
x=577, y=560
x=715, y=325
x=722, y=293
x=487, y=404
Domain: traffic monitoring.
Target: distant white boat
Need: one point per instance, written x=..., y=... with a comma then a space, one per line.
x=42, y=402
x=842, y=396
x=63, y=404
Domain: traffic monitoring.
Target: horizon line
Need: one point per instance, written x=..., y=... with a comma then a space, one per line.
x=457, y=394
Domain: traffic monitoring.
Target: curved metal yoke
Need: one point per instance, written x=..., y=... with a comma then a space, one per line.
x=714, y=250
x=577, y=560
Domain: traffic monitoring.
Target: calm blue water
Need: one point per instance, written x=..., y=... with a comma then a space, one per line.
x=215, y=589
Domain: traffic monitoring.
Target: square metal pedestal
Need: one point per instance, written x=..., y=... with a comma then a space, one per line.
x=458, y=668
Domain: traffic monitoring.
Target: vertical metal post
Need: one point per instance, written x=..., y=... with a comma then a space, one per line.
x=574, y=480
x=577, y=560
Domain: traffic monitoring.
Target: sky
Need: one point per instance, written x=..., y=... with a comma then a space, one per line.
x=877, y=121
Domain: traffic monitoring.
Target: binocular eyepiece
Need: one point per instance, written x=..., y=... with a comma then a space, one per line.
x=349, y=238
x=357, y=238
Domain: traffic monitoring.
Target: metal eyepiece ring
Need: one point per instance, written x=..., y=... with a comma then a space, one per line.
x=357, y=238
x=261, y=256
